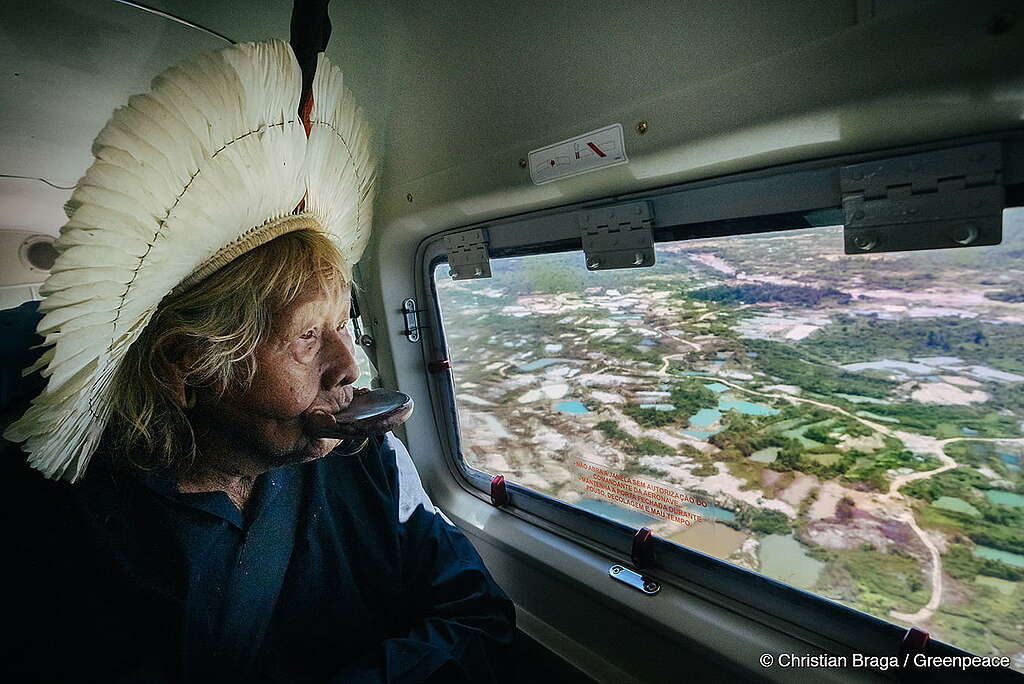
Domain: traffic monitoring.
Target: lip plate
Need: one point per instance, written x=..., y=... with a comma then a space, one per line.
x=373, y=406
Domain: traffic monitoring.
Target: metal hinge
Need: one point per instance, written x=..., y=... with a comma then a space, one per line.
x=468, y=257
x=932, y=200
x=618, y=236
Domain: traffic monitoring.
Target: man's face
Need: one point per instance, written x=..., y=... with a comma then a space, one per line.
x=307, y=365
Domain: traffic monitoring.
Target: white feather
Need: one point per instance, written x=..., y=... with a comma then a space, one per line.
x=59, y=281
x=212, y=151
x=339, y=164
x=81, y=293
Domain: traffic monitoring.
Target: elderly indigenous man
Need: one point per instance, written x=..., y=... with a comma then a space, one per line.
x=196, y=352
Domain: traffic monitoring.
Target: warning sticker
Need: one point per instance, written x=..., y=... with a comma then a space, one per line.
x=582, y=154
x=656, y=501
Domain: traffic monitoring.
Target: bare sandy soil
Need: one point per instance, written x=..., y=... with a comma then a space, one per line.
x=957, y=380
x=828, y=496
x=729, y=485
x=852, y=534
x=801, y=486
x=947, y=393
x=935, y=297
x=608, y=397
x=604, y=380
x=868, y=444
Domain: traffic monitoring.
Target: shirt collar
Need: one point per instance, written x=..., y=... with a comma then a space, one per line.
x=219, y=504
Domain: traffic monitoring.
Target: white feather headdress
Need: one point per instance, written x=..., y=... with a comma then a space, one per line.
x=208, y=165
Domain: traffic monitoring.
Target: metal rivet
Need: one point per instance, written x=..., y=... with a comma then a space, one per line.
x=616, y=569
x=964, y=234
x=451, y=272
x=638, y=259
x=408, y=198
x=865, y=241
x=477, y=271
x=593, y=263
x=366, y=341
x=651, y=587
x=641, y=128
x=522, y=163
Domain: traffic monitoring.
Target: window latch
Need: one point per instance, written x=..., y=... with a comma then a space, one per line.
x=618, y=236
x=468, y=257
x=933, y=200
x=642, y=555
x=634, y=579
x=411, y=319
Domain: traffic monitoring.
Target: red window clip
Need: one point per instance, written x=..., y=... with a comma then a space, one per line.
x=439, y=366
x=499, y=492
x=642, y=553
x=914, y=641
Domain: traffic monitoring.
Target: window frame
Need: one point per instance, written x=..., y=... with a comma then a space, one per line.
x=791, y=197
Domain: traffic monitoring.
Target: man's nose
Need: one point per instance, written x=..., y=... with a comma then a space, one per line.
x=340, y=366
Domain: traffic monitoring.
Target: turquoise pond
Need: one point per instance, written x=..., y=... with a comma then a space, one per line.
x=705, y=417
x=626, y=516
x=717, y=387
x=1007, y=557
x=747, y=407
x=1012, y=461
x=572, y=407
x=537, y=364
x=713, y=512
x=999, y=496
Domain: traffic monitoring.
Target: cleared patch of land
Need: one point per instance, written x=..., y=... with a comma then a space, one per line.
x=854, y=423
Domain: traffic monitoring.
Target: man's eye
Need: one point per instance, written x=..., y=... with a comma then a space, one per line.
x=308, y=335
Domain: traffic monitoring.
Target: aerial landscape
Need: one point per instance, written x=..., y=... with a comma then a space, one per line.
x=850, y=425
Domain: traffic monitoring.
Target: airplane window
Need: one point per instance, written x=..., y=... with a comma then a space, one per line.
x=850, y=425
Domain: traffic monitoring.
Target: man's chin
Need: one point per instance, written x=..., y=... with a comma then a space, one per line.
x=310, y=451
x=318, y=448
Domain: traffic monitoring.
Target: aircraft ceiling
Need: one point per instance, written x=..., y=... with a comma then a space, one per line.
x=458, y=92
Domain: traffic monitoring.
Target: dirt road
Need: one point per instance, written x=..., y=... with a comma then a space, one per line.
x=894, y=503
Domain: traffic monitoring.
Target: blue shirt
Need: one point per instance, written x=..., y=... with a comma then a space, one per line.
x=123, y=578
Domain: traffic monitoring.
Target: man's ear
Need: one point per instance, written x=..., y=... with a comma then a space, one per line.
x=178, y=390
x=172, y=362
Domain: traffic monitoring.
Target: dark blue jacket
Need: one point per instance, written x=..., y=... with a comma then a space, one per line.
x=120, y=578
